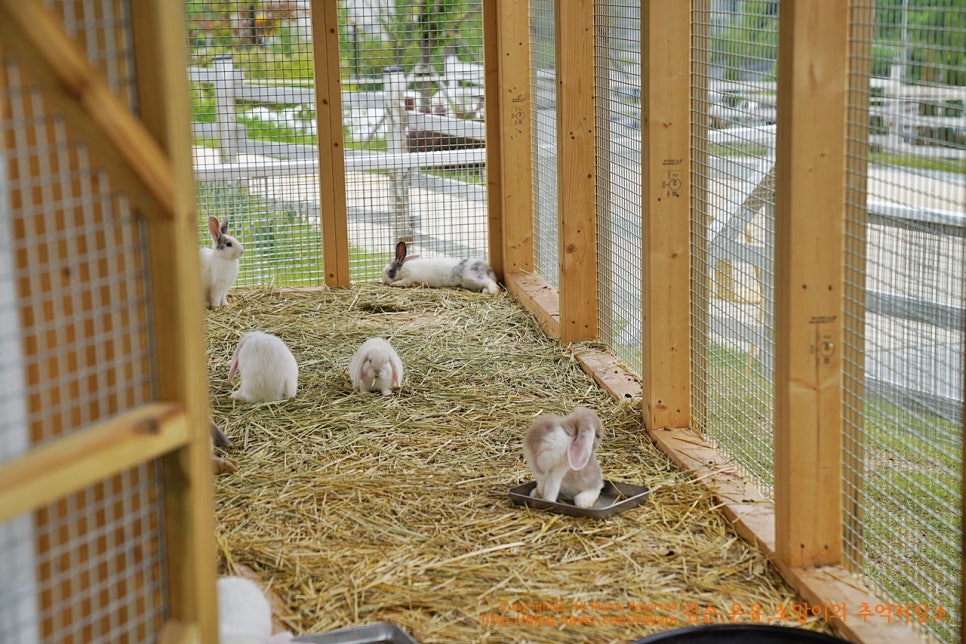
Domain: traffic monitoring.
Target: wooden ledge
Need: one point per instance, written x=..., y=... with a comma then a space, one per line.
x=76, y=460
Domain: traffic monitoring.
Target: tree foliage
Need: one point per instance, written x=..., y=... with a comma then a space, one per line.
x=928, y=36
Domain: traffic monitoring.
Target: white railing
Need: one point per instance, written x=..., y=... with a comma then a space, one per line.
x=231, y=89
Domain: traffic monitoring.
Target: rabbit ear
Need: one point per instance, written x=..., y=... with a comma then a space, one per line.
x=214, y=227
x=580, y=448
x=224, y=226
x=401, y=251
x=234, y=359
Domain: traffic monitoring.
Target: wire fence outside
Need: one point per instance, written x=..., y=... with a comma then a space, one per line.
x=906, y=296
x=412, y=94
x=543, y=89
x=734, y=112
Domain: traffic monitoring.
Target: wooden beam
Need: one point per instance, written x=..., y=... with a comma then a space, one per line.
x=494, y=145
x=328, y=93
x=90, y=455
x=538, y=298
x=608, y=372
x=509, y=135
x=576, y=170
x=666, y=216
x=135, y=163
x=809, y=205
x=176, y=303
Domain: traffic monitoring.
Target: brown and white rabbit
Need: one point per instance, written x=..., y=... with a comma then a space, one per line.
x=218, y=437
x=560, y=451
x=376, y=367
x=219, y=264
x=220, y=464
x=438, y=272
x=245, y=614
x=267, y=368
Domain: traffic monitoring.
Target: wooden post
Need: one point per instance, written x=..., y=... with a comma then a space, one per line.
x=161, y=61
x=328, y=100
x=666, y=216
x=509, y=133
x=394, y=88
x=226, y=78
x=809, y=204
x=576, y=170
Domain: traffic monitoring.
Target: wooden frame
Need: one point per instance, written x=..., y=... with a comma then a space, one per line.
x=133, y=158
x=149, y=159
x=161, y=58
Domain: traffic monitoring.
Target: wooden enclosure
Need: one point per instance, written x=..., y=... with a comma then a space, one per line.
x=74, y=464
x=139, y=145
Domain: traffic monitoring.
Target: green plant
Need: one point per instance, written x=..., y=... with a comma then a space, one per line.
x=283, y=247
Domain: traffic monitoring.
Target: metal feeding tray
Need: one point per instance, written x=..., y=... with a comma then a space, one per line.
x=377, y=633
x=614, y=498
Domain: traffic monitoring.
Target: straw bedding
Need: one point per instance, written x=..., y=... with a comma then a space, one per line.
x=354, y=508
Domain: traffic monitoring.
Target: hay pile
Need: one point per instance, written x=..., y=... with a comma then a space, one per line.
x=356, y=508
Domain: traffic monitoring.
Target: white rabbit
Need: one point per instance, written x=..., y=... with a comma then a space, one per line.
x=437, y=272
x=219, y=264
x=376, y=367
x=560, y=451
x=244, y=614
x=267, y=368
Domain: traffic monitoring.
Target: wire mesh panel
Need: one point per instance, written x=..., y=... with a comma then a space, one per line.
x=75, y=349
x=100, y=30
x=88, y=568
x=543, y=89
x=413, y=80
x=78, y=263
x=255, y=135
x=619, y=237
x=905, y=267
x=99, y=562
x=734, y=76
